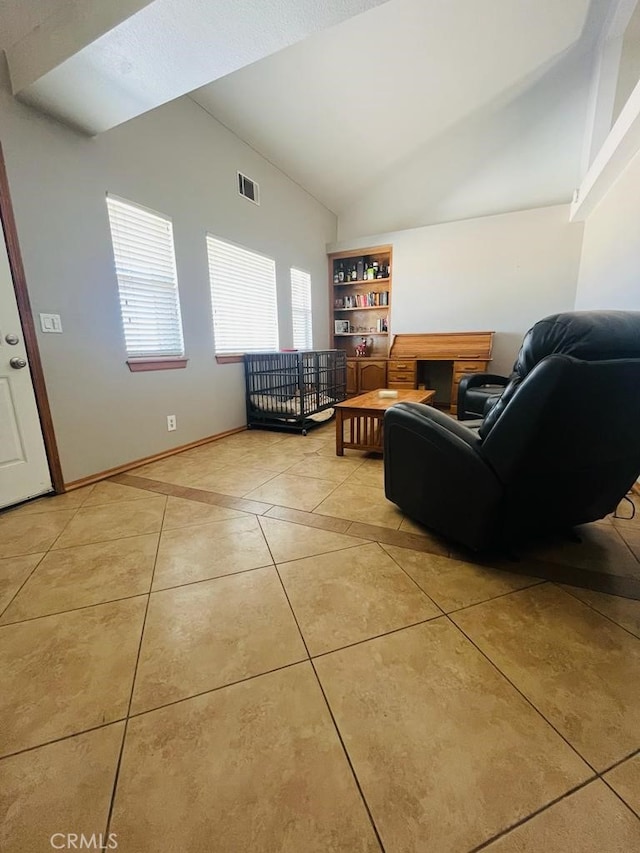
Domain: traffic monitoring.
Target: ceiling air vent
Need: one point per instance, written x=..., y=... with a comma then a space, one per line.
x=248, y=188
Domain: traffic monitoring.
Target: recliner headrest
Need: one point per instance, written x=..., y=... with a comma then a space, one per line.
x=587, y=335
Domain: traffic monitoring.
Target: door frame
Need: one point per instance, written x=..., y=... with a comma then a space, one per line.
x=7, y=220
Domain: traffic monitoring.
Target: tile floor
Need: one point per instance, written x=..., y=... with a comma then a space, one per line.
x=247, y=648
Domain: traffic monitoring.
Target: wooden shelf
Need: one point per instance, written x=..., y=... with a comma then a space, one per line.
x=362, y=281
x=364, y=308
x=348, y=293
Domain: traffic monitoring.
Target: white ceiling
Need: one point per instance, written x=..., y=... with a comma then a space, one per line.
x=102, y=62
x=342, y=108
x=19, y=17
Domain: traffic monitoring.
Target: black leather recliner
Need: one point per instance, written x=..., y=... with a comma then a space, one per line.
x=560, y=447
x=477, y=392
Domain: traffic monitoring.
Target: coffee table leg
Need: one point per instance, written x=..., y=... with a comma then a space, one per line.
x=339, y=434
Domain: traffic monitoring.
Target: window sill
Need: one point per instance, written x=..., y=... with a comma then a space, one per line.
x=232, y=358
x=137, y=365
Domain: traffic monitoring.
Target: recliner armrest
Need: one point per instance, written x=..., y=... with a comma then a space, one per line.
x=434, y=467
x=427, y=420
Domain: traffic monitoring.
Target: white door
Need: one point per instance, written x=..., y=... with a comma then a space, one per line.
x=24, y=470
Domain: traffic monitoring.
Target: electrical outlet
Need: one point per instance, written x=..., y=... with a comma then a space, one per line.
x=171, y=422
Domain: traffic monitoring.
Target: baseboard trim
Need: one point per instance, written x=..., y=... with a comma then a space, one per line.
x=128, y=466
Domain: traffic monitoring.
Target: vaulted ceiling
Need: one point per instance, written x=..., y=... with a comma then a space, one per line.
x=347, y=97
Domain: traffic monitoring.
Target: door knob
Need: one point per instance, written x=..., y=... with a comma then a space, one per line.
x=17, y=363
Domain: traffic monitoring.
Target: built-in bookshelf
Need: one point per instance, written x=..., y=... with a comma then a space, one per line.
x=360, y=294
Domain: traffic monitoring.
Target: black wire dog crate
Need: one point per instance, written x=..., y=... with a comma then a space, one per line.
x=288, y=390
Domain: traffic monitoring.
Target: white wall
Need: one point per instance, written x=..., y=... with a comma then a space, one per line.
x=181, y=162
x=610, y=266
x=500, y=273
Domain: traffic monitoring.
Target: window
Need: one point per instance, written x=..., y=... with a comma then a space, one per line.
x=147, y=281
x=301, y=308
x=243, y=299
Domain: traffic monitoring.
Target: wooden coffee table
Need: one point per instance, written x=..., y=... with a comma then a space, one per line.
x=364, y=415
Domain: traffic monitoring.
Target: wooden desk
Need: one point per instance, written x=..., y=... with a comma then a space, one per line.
x=364, y=415
x=468, y=352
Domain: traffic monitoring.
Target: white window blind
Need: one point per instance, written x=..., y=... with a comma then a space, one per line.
x=301, y=308
x=147, y=280
x=243, y=299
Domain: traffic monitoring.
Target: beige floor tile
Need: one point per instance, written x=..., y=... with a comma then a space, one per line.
x=453, y=583
x=277, y=458
x=235, y=480
x=183, y=513
x=113, y=521
x=253, y=767
x=624, y=611
x=64, y=786
x=67, y=673
x=84, y=575
x=592, y=820
x=207, y=634
x=359, y=502
x=50, y=503
x=179, y=470
x=252, y=438
x=309, y=519
x=408, y=525
x=602, y=549
x=348, y=596
x=293, y=541
x=217, y=455
x=631, y=536
x=337, y=470
x=295, y=492
x=206, y=551
x=446, y=751
x=369, y=473
x=579, y=669
x=107, y=492
x=31, y=534
x=13, y=573
x=625, y=781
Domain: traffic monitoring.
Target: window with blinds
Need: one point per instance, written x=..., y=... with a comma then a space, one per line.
x=147, y=280
x=301, y=309
x=243, y=299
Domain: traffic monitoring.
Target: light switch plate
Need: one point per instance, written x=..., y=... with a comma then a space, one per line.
x=51, y=323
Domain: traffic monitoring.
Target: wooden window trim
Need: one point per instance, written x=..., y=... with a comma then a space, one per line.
x=230, y=358
x=140, y=365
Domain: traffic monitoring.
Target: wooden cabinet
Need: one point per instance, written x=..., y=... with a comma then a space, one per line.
x=360, y=300
x=402, y=373
x=371, y=375
x=365, y=374
x=352, y=376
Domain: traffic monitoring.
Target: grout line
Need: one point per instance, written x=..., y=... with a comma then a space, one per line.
x=72, y=609
x=133, y=680
x=535, y=582
x=22, y=585
x=215, y=689
x=620, y=797
x=378, y=636
x=348, y=757
x=62, y=738
x=517, y=689
x=293, y=613
x=634, y=754
x=533, y=814
x=595, y=609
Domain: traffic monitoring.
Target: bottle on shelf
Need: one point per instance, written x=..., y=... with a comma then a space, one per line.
x=360, y=270
x=336, y=279
x=354, y=272
x=341, y=273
